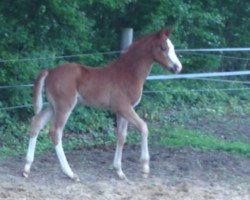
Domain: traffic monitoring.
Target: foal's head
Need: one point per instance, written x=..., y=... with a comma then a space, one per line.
x=164, y=52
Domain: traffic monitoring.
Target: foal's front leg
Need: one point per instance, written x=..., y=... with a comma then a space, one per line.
x=130, y=114
x=121, y=133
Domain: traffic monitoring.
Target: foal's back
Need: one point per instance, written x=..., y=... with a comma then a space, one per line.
x=90, y=85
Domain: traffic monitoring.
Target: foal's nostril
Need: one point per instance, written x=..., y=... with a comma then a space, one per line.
x=177, y=68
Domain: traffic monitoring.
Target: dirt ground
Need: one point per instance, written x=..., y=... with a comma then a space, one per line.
x=176, y=174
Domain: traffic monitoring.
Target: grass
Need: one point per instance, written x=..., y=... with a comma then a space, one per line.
x=181, y=137
x=168, y=129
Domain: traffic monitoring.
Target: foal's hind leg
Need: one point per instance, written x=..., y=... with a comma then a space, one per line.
x=56, y=133
x=121, y=132
x=38, y=122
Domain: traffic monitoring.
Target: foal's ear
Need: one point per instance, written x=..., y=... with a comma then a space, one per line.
x=165, y=33
x=168, y=31
x=161, y=33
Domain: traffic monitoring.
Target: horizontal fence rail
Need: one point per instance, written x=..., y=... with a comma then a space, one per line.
x=174, y=76
x=147, y=92
x=213, y=50
x=200, y=75
x=59, y=57
x=15, y=86
x=229, y=49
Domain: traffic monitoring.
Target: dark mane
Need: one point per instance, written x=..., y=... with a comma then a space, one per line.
x=140, y=41
x=137, y=49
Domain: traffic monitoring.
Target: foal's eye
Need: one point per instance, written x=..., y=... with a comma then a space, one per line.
x=163, y=48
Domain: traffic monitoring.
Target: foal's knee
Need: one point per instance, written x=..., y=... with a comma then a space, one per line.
x=35, y=126
x=54, y=136
x=121, y=139
x=144, y=129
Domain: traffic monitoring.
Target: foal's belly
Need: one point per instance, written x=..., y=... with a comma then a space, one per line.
x=94, y=100
x=137, y=101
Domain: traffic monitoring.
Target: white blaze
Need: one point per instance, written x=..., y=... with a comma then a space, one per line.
x=172, y=56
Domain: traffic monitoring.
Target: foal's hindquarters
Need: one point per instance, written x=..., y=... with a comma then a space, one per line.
x=59, y=109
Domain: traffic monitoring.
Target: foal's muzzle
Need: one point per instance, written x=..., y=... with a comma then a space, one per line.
x=176, y=68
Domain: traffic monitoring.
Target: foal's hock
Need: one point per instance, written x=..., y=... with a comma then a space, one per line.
x=117, y=86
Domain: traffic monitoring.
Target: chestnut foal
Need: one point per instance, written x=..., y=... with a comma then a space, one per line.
x=117, y=86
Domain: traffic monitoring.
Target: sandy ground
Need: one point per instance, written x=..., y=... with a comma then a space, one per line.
x=176, y=174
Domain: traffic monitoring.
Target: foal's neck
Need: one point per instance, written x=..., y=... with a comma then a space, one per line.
x=136, y=64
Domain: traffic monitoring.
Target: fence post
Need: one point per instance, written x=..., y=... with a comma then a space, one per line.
x=126, y=39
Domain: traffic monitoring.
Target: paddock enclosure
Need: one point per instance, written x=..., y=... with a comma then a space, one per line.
x=192, y=126
x=180, y=171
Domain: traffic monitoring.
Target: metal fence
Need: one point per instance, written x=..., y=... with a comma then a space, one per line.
x=199, y=76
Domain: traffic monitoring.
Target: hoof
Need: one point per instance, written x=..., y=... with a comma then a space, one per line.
x=75, y=178
x=145, y=171
x=128, y=181
x=145, y=175
x=25, y=174
x=121, y=175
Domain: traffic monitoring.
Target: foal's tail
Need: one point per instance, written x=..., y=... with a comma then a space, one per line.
x=37, y=91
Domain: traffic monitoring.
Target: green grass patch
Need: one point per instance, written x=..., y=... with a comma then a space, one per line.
x=182, y=137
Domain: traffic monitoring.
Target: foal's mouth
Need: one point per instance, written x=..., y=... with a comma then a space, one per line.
x=176, y=68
